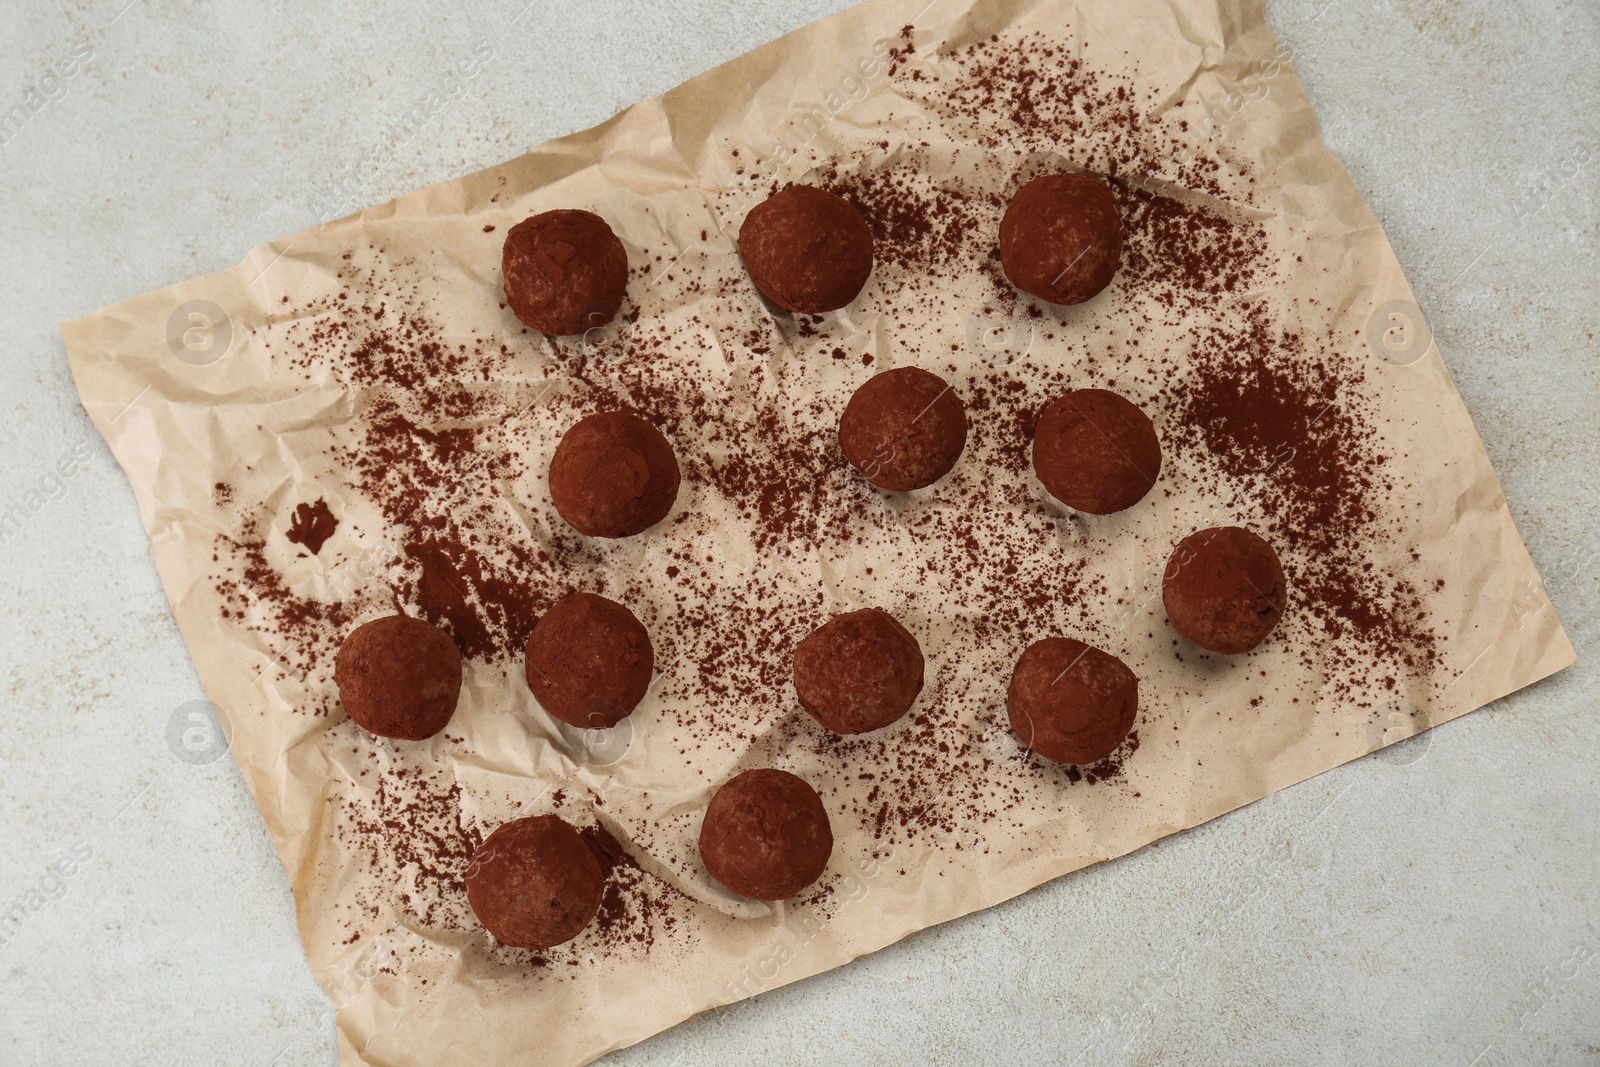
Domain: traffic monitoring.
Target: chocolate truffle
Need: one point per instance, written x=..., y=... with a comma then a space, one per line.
x=1095, y=451
x=1071, y=702
x=859, y=671
x=766, y=835
x=613, y=475
x=807, y=249
x=903, y=429
x=565, y=271
x=1224, y=589
x=535, y=883
x=399, y=677
x=1061, y=238
x=589, y=661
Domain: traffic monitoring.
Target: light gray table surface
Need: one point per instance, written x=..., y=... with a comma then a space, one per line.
x=1435, y=903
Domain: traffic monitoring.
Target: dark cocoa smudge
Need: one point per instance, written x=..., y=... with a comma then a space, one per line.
x=312, y=525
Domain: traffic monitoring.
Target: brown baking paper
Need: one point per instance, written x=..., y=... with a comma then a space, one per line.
x=227, y=414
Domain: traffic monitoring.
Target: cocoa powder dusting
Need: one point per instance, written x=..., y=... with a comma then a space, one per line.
x=450, y=410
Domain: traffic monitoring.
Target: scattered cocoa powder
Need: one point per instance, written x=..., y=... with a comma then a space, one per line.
x=448, y=428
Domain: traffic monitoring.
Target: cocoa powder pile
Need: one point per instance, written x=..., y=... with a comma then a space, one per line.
x=447, y=430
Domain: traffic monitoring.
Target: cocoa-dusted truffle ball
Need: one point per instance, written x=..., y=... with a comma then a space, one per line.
x=1095, y=451
x=859, y=671
x=807, y=249
x=613, y=475
x=1061, y=238
x=766, y=835
x=565, y=271
x=535, y=883
x=1224, y=589
x=903, y=429
x=589, y=661
x=399, y=677
x=1071, y=702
